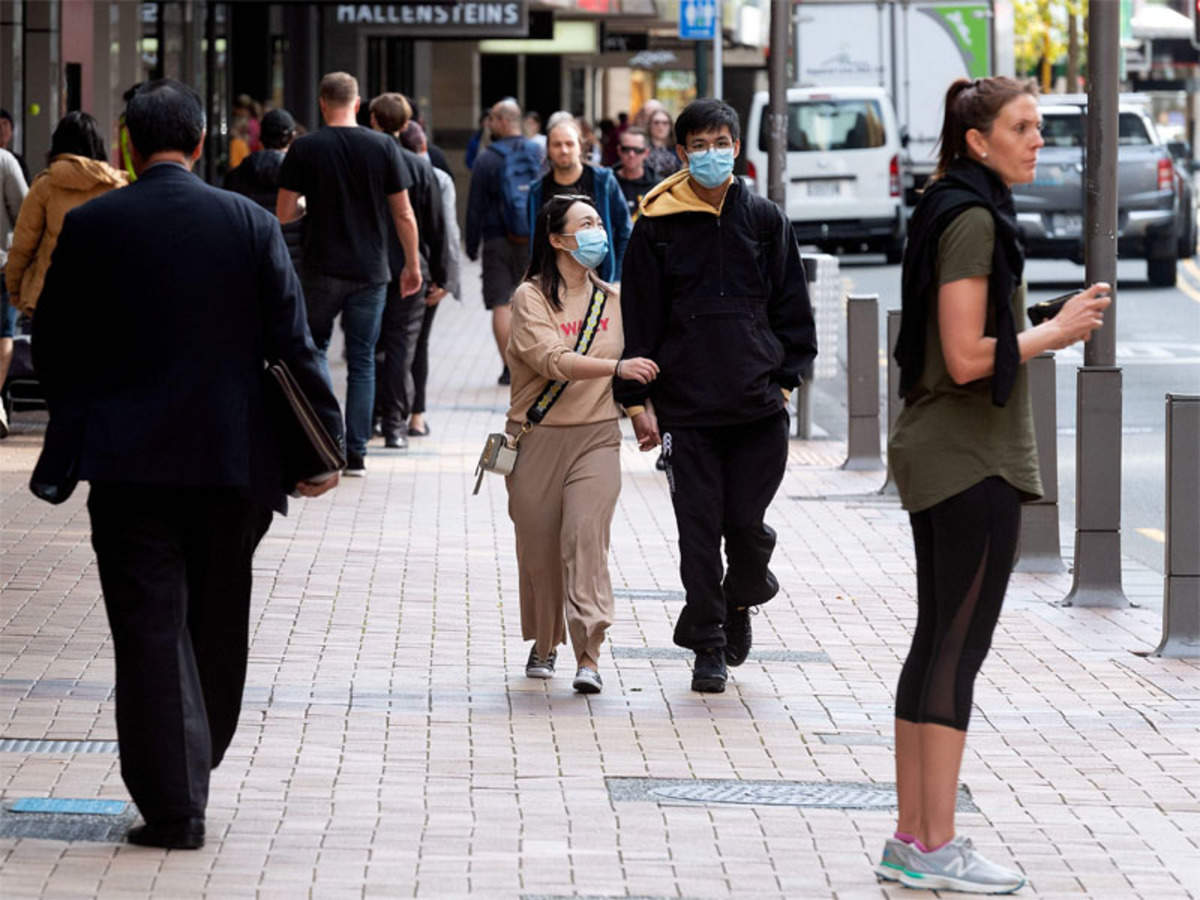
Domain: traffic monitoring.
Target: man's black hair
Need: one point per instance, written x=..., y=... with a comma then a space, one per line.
x=706, y=114
x=164, y=115
x=5, y=114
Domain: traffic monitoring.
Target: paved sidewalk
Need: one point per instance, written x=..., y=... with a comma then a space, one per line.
x=391, y=746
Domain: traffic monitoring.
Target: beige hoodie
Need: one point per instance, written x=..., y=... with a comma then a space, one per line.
x=70, y=181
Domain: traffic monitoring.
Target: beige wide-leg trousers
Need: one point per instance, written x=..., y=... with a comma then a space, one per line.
x=561, y=498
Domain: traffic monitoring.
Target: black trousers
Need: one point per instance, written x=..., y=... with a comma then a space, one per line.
x=965, y=547
x=722, y=480
x=399, y=336
x=420, y=362
x=175, y=570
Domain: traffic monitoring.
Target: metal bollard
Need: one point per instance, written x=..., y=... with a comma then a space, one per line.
x=862, y=382
x=1040, y=549
x=893, y=391
x=1181, y=582
x=825, y=293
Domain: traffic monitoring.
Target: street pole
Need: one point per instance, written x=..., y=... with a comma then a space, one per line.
x=1097, y=568
x=718, y=52
x=781, y=26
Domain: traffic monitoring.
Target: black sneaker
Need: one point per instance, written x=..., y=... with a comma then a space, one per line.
x=356, y=465
x=395, y=441
x=738, y=635
x=505, y=377
x=709, y=674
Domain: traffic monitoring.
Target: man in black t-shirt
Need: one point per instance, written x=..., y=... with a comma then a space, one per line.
x=356, y=188
x=632, y=175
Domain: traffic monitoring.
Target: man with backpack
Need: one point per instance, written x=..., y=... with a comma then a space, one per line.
x=714, y=291
x=497, y=214
x=569, y=174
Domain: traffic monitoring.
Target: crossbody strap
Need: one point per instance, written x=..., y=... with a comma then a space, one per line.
x=587, y=336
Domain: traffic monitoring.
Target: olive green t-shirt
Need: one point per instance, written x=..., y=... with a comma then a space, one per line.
x=949, y=437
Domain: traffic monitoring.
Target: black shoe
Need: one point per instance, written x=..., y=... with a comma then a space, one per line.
x=738, y=637
x=505, y=377
x=395, y=441
x=709, y=674
x=356, y=465
x=187, y=834
x=424, y=432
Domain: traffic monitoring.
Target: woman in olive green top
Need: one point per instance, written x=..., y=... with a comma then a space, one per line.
x=963, y=455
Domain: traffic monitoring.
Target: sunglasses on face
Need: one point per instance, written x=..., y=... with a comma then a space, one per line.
x=633, y=149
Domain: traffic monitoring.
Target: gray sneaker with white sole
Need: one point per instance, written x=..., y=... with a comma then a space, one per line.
x=958, y=866
x=894, y=859
x=587, y=681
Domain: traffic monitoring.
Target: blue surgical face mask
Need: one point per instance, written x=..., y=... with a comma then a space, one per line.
x=593, y=247
x=711, y=168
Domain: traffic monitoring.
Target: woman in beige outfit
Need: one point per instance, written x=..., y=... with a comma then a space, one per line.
x=77, y=173
x=563, y=490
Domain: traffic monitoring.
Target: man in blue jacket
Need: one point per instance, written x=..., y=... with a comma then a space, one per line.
x=570, y=175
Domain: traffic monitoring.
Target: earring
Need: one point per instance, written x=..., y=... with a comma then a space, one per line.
x=984, y=155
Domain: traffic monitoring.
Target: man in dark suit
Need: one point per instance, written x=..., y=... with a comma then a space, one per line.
x=162, y=303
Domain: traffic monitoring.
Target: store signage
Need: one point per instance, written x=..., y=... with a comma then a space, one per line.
x=482, y=16
x=623, y=42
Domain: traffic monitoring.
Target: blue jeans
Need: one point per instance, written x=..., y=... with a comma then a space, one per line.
x=361, y=305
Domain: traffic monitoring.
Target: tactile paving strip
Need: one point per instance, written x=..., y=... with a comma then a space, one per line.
x=29, y=745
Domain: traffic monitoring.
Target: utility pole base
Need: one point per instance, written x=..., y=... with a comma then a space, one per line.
x=1181, y=618
x=1097, y=570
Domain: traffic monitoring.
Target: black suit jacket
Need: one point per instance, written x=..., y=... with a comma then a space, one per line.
x=425, y=195
x=162, y=303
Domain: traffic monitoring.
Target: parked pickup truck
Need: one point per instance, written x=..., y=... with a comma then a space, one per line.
x=1155, y=205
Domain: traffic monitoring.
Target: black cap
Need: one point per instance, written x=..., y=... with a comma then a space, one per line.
x=277, y=123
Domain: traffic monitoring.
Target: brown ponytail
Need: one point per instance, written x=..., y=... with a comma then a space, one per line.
x=974, y=104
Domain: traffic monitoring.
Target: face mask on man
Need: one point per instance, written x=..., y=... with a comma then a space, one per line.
x=711, y=168
x=592, y=247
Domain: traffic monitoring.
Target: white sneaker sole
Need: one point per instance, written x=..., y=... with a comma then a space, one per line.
x=541, y=674
x=355, y=473
x=887, y=873
x=584, y=686
x=930, y=882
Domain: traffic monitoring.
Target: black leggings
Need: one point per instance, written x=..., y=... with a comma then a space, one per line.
x=965, y=547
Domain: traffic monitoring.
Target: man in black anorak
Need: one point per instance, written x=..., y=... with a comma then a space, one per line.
x=714, y=291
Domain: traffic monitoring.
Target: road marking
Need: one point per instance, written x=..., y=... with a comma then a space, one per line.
x=1182, y=283
x=1155, y=534
x=1139, y=353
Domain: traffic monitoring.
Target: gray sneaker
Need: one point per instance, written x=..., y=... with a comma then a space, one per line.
x=540, y=666
x=894, y=859
x=587, y=681
x=958, y=866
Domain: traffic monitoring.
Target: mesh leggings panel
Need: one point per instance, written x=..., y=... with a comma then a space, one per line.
x=965, y=547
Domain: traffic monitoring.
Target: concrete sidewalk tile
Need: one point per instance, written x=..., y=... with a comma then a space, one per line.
x=390, y=744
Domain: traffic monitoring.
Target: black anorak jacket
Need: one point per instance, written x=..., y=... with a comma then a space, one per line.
x=719, y=299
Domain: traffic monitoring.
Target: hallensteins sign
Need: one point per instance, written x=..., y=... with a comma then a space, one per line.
x=464, y=18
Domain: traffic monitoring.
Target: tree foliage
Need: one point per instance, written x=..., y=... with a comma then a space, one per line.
x=1035, y=20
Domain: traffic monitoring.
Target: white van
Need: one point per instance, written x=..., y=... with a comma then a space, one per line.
x=844, y=167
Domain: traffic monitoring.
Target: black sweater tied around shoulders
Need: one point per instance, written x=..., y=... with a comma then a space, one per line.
x=964, y=185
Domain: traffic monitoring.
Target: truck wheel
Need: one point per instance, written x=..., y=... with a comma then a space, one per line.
x=1161, y=272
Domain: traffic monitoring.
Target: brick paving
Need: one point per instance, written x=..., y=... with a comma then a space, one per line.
x=390, y=745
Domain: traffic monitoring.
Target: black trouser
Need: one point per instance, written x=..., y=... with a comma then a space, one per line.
x=965, y=547
x=175, y=570
x=722, y=479
x=398, y=338
x=420, y=361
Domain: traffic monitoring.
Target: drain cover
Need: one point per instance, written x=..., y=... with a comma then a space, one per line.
x=814, y=794
x=23, y=745
x=647, y=594
x=799, y=656
x=857, y=740
x=64, y=819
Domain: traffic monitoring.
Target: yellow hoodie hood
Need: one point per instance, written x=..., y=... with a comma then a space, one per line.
x=78, y=173
x=673, y=195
